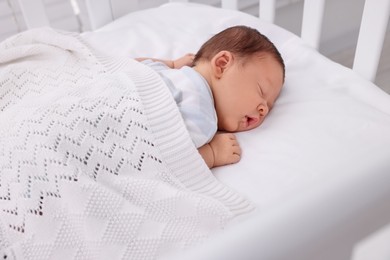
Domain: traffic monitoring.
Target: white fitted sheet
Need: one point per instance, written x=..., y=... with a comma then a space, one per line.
x=327, y=122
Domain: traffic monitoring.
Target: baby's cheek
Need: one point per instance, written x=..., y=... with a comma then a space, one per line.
x=228, y=125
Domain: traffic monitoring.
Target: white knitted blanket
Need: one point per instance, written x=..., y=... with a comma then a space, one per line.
x=95, y=161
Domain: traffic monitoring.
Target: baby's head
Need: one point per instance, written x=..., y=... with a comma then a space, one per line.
x=245, y=72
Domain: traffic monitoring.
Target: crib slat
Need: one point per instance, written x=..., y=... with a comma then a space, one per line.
x=99, y=11
x=267, y=10
x=229, y=4
x=34, y=13
x=371, y=37
x=313, y=12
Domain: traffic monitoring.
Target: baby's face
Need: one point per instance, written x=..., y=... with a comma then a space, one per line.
x=247, y=93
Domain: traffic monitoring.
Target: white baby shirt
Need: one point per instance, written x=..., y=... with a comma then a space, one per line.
x=193, y=98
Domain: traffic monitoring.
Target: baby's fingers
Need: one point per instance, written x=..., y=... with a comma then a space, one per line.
x=191, y=55
x=235, y=158
x=233, y=141
x=236, y=149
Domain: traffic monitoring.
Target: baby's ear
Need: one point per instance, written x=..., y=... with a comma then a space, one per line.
x=221, y=61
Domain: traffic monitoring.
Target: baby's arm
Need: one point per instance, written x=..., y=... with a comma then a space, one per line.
x=186, y=60
x=223, y=149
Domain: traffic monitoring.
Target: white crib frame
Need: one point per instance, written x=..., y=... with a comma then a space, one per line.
x=371, y=35
x=272, y=236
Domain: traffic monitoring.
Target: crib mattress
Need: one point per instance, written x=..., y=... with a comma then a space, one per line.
x=328, y=123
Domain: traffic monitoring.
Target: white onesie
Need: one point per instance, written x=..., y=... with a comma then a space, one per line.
x=193, y=98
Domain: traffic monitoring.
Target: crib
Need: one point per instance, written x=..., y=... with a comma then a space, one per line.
x=318, y=171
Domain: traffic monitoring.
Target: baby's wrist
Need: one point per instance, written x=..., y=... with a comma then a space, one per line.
x=212, y=155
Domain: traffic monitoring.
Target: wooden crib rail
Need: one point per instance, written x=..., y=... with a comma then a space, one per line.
x=100, y=12
x=313, y=12
x=371, y=37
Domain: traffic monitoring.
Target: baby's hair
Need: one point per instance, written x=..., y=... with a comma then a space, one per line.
x=240, y=40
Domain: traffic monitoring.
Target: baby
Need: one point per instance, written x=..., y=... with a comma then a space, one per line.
x=230, y=85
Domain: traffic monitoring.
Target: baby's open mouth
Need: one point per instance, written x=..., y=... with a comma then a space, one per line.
x=250, y=121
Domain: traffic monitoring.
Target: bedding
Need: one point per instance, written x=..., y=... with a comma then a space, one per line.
x=326, y=126
x=327, y=121
x=95, y=160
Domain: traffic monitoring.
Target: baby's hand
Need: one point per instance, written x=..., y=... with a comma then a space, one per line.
x=225, y=148
x=186, y=60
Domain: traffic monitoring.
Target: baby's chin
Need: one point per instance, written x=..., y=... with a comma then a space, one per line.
x=227, y=128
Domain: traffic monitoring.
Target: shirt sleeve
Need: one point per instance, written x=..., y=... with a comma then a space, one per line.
x=196, y=107
x=155, y=65
x=201, y=126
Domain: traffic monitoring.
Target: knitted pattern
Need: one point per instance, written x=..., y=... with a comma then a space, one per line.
x=95, y=160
